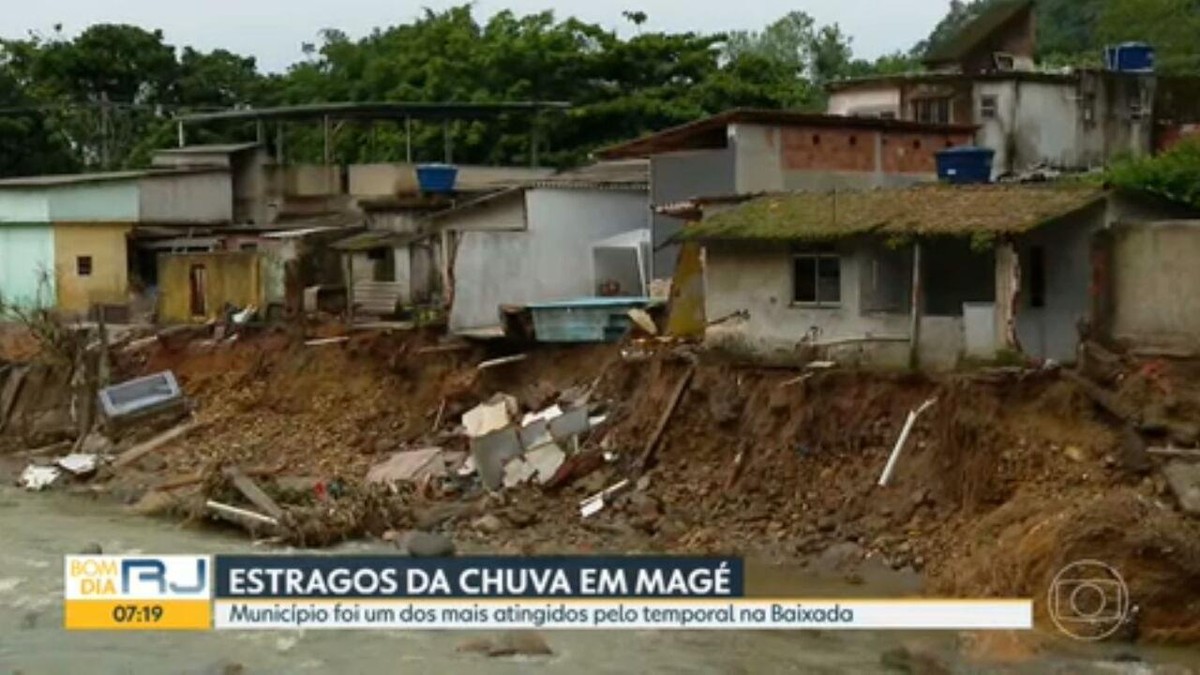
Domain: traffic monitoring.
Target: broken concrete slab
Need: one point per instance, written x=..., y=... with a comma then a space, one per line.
x=79, y=463
x=535, y=432
x=545, y=461
x=1184, y=480
x=517, y=471
x=485, y=418
x=571, y=423
x=492, y=451
x=38, y=478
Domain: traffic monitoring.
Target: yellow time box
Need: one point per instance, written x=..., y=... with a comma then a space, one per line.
x=138, y=615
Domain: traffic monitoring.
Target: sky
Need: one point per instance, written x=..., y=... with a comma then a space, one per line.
x=273, y=30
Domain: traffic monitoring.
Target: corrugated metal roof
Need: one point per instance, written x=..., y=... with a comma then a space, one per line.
x=930, y=209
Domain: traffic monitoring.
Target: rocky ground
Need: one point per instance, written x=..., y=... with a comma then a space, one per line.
x=1010, y=474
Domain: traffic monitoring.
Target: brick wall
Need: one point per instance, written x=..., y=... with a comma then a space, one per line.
x=853, y=150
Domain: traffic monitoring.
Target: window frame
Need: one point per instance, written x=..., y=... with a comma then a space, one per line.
x=816, y=257
x=82, y=261
x=989, y=106
x=930, y=106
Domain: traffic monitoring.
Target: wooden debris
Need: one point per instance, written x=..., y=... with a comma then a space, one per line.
x=441, y=349
x=252, y=492
x=1174, y=452
x=326, y=341
x=676, y=397
x=1101, y=397
x=502, y=361
x=796, y=380
x=247, y=519
x=141, y=450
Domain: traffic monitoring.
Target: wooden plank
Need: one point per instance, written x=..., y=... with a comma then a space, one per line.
x=141, y=450
x=1174, y=452
x=252, y=492
x=676, y=397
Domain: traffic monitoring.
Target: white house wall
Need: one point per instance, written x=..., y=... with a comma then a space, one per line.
x=759, y=282
x=865, y=102
x=550, y=261
x=506, y=212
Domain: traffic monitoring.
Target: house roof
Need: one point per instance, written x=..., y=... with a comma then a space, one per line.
x=378, y=110
x=710, y=132
x=993, y=18
x=61, y=180
x=927, y=209
x=627, y=173
x=945, y=77
x=211, y=149
x=621, y=175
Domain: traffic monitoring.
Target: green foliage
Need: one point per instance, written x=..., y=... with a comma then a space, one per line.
x=1074, y=32
x=1174, y=175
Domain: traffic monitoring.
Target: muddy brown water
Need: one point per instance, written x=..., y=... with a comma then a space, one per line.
x=37, y=530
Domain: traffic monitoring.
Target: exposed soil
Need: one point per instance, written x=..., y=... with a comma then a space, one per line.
x=1006, y=478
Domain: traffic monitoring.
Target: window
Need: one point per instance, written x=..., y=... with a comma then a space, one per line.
x=1037, y=276
x=377, y=254
x=853, y=141
x=987, y=107
x=1004, y=61
x=816, y=139
x=83, y=266
x=932, y=110
x=817, y=279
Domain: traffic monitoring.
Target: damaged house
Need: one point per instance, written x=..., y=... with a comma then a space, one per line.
x=577, y=234
x=928, y=275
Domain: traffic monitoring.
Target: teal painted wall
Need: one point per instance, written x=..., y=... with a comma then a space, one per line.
x=26, y=252
x=24, y=206
x=112, y=201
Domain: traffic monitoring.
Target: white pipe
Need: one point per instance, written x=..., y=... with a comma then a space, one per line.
x=908, y=425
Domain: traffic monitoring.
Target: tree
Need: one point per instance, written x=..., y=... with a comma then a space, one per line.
x=28, y=144
x=1171, y=26
x=1174, y=174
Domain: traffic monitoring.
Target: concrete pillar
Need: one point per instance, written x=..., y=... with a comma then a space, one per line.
x=914, y=340
x=1008, y=289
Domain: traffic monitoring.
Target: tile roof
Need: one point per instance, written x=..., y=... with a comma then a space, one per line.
x=927, y=209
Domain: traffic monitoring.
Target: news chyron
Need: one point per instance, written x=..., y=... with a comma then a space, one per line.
x=272, y=592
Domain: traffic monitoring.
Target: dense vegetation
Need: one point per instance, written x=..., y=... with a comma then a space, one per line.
x=104, y=99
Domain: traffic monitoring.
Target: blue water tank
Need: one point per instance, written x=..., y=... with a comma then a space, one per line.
x=1130, y=57
x=436, y=178
x=965, y=164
